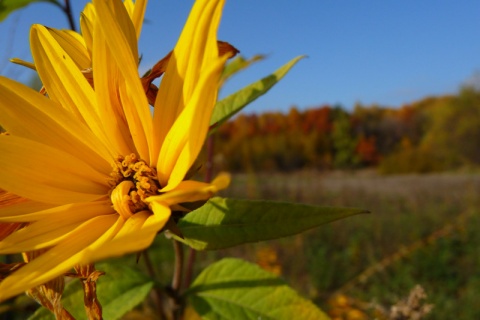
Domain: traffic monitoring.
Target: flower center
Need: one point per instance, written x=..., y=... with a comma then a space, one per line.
x=133, y=181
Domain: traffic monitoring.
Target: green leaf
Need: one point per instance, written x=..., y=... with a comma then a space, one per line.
x=232, y=104
x=119, y=291
x=237, y=65
x=223, y=223
x=8, y=6
x=236, y=289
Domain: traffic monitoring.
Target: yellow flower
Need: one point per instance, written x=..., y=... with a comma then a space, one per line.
x=99, y=173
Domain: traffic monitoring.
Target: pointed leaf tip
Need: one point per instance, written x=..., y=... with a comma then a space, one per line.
x=228, y=107
x=223, y=223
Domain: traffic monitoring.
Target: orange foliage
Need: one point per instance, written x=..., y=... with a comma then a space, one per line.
x=306, y=138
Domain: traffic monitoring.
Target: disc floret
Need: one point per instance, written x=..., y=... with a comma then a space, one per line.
x=133, y=181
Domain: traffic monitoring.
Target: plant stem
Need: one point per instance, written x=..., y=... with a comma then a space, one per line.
x=174, y=302
x=68, y=11
x=157, y=295
x=191, y=261
x=178, y=269
x=149, y=265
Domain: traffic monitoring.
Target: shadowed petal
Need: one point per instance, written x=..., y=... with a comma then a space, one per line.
x=84, y=209
x=106, y=78
x=136, y=235
x=87, y=16
x=11, y=204
x=136, y=11
x=120, y=36
x=74, y=46
x=52, y=228
x=60, y=258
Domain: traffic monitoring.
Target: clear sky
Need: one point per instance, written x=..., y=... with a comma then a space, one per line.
x=385, y=52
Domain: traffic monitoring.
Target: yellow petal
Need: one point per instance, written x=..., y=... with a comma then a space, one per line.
x=106, y=77
x=13, y=205
x=52, y=228
x=136, y=122
x=136, y=235
x=191, y=191
x=34, y=211
x=28, y=114
x=138, y=16
x=64, y=82
x=196, y=49
x=120, y=36
x=185, y=139
x=60, y=258
x=116, y=22
x=23, y=63
x=129, y=6
x=120, y=198
x=160, y=211
x=86, y=26
x=74, y=46
x=45, y=174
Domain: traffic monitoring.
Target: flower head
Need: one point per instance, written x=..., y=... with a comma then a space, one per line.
x=98, y=174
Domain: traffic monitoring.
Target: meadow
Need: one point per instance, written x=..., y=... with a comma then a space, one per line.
x=422, y=230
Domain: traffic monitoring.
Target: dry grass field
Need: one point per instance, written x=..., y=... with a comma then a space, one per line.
x=423, y=229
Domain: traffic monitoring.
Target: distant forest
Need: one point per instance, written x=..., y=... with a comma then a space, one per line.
x=433, y=134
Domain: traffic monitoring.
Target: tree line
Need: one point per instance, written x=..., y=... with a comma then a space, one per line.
x=432, y=134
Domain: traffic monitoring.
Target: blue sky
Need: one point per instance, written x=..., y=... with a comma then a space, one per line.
x=385, y=52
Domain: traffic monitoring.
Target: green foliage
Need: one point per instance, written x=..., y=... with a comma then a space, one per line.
x=223, y=223
x=119, y=291
x=236, y=289
x=9, y=6
x=232, y=104
x=238, y=64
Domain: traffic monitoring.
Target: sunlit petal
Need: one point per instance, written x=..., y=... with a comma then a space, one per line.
x=190, y=191
x=63, y=178
x=139, y=15
x=64, y=82
x=24, y=63
x=181, y=146
x=195, y=51
x=41, y=119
